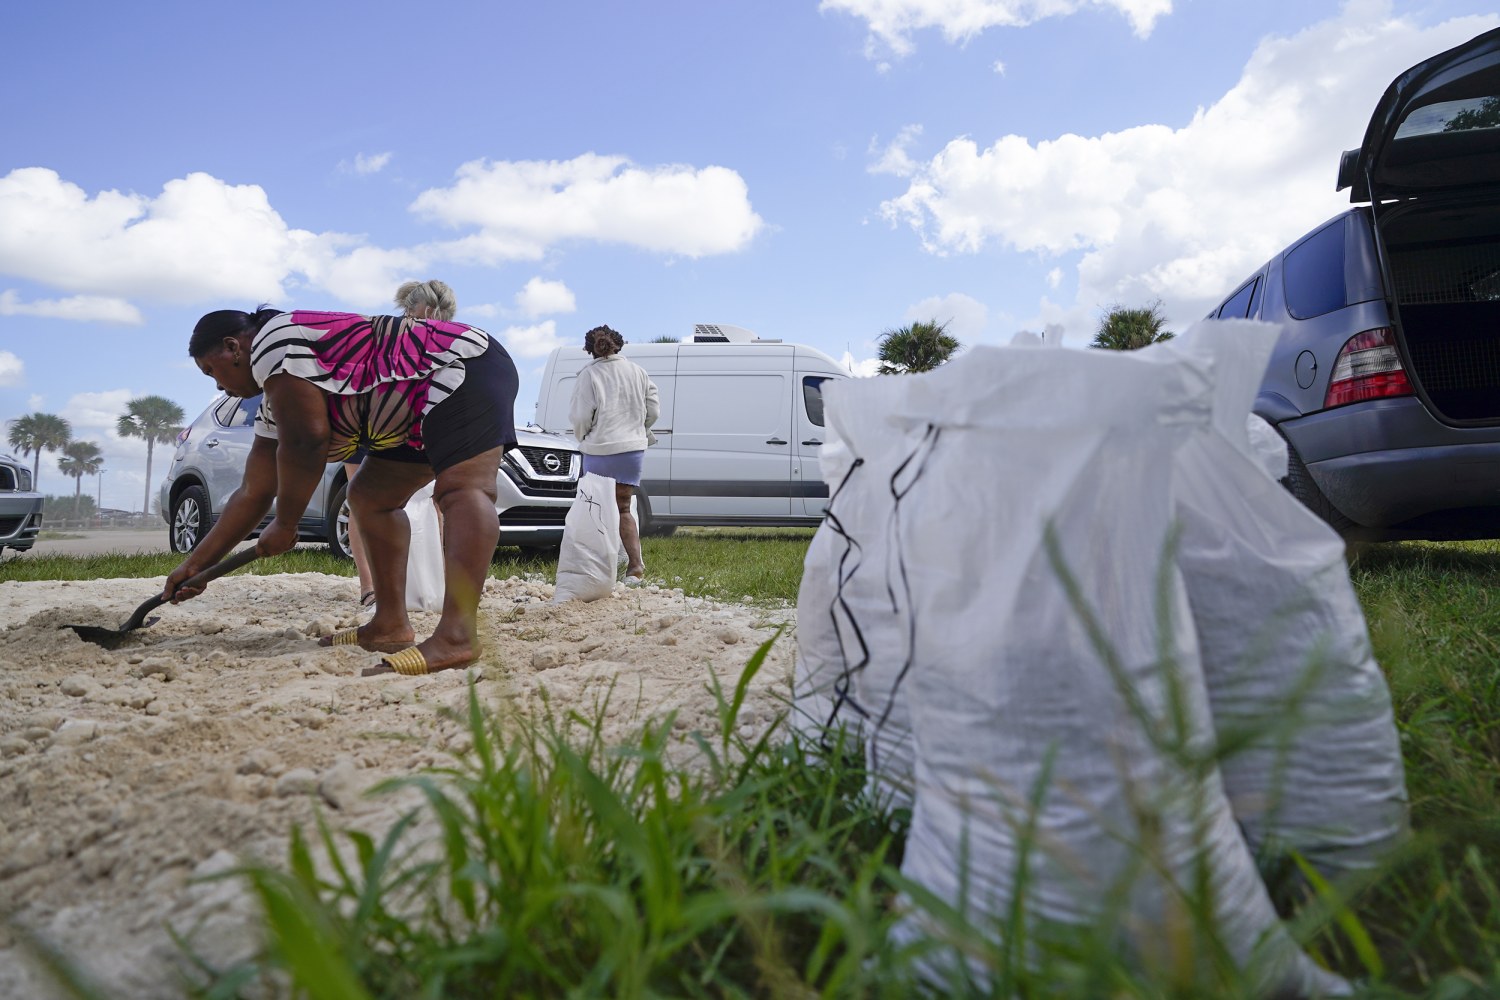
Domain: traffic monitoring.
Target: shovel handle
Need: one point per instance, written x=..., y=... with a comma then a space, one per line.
x=218, y=569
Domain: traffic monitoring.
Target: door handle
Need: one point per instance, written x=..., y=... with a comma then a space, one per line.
x=661, y=430
x=775, y=441
x=812, y=441
x=211, y=443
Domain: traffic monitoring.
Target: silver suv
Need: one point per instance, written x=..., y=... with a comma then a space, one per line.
x=537, y=482
x=20, y=506
x=1386, y=380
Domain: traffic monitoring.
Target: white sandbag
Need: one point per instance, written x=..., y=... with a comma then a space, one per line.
x=854, y=621
x=424, y=558
x=1314, y=758
x=586, y=563
x=1029, y=735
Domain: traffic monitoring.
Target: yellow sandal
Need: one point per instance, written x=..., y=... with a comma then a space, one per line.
x=409, y=662
x=350, y=637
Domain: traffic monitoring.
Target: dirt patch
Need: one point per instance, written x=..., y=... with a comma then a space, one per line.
x=128, y=775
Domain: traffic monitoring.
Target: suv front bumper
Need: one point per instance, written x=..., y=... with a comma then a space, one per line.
x=20, y=521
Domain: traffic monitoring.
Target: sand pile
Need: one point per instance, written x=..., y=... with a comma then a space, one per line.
x=126, y=775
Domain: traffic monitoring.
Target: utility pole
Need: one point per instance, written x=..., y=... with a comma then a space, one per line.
x=99, y=493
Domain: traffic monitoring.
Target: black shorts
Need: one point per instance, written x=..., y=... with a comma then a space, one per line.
x=479, y=416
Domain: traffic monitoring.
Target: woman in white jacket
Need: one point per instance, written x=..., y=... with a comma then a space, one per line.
x=614, y=406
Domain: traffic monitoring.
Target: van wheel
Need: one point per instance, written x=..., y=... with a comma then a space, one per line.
x=649, y=527
x=189, y=519
x=338, y=523
x=1300, y=482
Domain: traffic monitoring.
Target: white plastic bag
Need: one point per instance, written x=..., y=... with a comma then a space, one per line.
x=586, y=563
x=424, y=559
x=1030, y=740
x=1295, y=691
x=854, y=625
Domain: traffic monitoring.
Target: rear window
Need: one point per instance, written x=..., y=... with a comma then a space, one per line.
x=1314, y=273
x=1469, y=115
x=1241, y=302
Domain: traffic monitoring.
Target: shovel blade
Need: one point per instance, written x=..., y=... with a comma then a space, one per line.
x=109, y=638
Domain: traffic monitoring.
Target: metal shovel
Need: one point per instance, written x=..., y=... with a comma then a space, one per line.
x=110, y=638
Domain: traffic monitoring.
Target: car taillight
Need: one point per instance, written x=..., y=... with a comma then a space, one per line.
x=1368, y=367
x=182, y=436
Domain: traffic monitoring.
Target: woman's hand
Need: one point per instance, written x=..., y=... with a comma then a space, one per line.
x=174, y=591
x=276, y=539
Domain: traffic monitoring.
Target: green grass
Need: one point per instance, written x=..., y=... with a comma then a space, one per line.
x=1434, y=613
x=763, y=564
x=569, y=868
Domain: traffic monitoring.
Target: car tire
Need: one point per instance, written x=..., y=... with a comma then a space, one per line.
x=338, y=523
x=1300, y=482
x=189, y=519
x=649, y=527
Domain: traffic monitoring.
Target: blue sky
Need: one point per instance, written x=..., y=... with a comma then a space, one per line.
x=817, y=172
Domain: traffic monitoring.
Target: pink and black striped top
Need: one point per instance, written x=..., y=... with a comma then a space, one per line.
x=382, y=374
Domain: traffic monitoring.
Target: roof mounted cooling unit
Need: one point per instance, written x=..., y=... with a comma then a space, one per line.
x=721, y=333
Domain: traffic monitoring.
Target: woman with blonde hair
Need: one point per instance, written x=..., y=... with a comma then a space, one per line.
x=431, y=299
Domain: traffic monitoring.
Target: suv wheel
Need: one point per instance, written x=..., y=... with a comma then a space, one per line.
x=338, y=523
x=1301, y=484
x=189, y=519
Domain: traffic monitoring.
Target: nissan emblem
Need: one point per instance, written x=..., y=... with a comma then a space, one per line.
x=551, y=462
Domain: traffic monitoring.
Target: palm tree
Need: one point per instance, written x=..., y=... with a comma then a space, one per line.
x=157, y=420
x=36, y=433
x=80, y=458
x=918, y=347
x=1124, y=329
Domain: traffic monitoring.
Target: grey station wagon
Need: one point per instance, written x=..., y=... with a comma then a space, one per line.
x=537, y=483
x=1386, y=379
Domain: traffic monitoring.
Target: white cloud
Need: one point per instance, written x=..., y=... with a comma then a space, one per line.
x=94, y=414
x=893, y=22
x=532, y=341
x=1054, y=277
x=965, y=317
x=861, y=367
x=896, y=158
x=999, y=68
x=12, y=369
x=371, y=164
x=541, y=297
x=92, y=308
x=521, y=208
x=204, y=240
x=365, y=277
x=1181, y=214
x=200, y=238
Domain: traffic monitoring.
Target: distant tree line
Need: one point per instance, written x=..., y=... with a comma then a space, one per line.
x=154, y=419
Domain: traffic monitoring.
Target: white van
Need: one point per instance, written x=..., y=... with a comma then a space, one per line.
x=737, y=440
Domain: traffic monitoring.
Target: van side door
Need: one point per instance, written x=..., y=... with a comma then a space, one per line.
x=811, y=492
x=656, y=466
x=732, y=442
